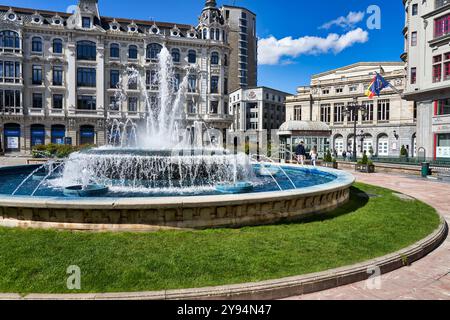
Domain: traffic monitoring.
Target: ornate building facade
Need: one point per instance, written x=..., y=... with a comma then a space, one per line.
x=389, y=124
x=59, y=72
x=427, y=57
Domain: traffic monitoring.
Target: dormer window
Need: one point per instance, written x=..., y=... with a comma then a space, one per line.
x=154, y=30
x=57, y=22
x=12, y=16
x=86, y=22
x=37, y=20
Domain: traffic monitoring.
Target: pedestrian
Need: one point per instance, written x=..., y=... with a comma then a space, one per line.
x=344, y=155
x=301, y=153
x=314, y=156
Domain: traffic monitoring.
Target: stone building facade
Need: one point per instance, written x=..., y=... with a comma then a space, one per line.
x=59, y=71
x=258, y=108
x=389, y=124
x=427, y=57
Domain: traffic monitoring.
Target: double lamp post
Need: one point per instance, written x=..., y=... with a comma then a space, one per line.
x=352, y=110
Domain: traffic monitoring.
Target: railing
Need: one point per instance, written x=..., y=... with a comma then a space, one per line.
x=412, y=161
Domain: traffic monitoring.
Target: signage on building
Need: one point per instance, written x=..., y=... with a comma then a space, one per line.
x=252, y=95
x=12, y=143
x=443, y=152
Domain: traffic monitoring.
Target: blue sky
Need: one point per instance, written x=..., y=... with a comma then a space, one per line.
x=277, y=20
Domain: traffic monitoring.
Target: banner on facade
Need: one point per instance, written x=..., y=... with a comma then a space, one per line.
x=443, y=152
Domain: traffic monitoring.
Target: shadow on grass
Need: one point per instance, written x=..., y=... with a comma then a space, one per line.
x=358, y=199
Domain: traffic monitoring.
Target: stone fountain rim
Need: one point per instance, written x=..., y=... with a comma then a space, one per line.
x=343, y=181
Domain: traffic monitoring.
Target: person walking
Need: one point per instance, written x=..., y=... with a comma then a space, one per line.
x=301, y=153
x=314, y=156
x=344, y=155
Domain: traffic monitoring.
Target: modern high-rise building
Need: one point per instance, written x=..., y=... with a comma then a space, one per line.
x=390, y=121
x=427, y=55
x=244, y=43
x=59, y=72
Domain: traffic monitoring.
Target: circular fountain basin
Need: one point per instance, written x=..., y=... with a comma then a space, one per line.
x=86, y=191
x=318, y=191
x=240, y=187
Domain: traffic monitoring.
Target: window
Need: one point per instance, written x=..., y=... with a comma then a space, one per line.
x=87, y=135
x=325, y=113
x=114, y=50
x=153, y=51
x=10, y=72
x=383, y=110
x=192, y=56
x=37, y=132
x=205, y=34
x=339, y=90
x=244, y=15
x=57, y=76
x=36, y=44
x=437, y=68
x=86, y=50
x=132, y=52
x=369, y=107
x=225, y=60
x=176, y=82
x=57, y=101
x=133, y=104
x=415, y=9
x=57, y=46
x=37, y=75
x=214, y=107
x=442, y=26
x=58, y=134
x=214, y=84
x=214, y=58
x=176, y=55
x=114, y=78
x=225, y=86
x=326, y=91
x=192, y=80
x=297, y=113
x=383, y=146
x=442, y=107
x=339, y=112
x=413, y=75
x=86, y=77
x=86, y=103
x=413, y=38
x=353, y=88
x=37, y=101
x=9, y=39
x=218, y=34
x=86, y=22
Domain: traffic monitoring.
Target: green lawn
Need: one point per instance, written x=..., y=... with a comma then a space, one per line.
x=36, y=261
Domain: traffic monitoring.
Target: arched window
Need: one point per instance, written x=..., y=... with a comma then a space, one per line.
x=205, y=34
x=176, y=55
x=86, y=50
x=212, y=33
x=58, y=134
x=217, y=34
x=87, y=135
x=133, y=52
x=37, y=135
x=36, y=44
x=192, y=56
x=153, y=51
x=57, y=46
x=9, y=39
x=383, y=145
x=215, y=58
x=114, y=50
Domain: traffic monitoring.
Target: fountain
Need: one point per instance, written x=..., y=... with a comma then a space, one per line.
x=159, y=171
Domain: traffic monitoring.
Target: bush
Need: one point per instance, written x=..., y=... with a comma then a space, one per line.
x=404, y=152
x=56, y=150
x=328, y=157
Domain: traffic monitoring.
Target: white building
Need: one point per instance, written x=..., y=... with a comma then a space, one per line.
x=389, y=124
x=258, y=108
x=427, y=53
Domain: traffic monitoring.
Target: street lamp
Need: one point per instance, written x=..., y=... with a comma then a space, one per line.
x=353, y=110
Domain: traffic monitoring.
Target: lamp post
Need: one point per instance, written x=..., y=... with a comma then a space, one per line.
x=353, y=110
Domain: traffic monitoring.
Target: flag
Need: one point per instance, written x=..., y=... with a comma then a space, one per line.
x=378, y=84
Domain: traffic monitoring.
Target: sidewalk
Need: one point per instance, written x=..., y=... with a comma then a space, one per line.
x=428, y=278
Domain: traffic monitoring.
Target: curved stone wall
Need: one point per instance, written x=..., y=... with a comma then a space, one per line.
x=150, y=214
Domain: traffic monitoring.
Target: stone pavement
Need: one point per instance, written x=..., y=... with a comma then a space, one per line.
x=428, y=278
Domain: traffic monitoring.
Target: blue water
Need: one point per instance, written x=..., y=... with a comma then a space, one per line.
x=301, y=177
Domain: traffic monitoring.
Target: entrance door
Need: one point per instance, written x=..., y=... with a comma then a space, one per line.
x=12, y=137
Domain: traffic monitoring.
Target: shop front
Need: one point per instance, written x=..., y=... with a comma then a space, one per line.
x=12, y=133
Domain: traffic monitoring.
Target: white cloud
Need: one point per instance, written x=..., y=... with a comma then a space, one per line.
x=347, y=22
x=272, y=50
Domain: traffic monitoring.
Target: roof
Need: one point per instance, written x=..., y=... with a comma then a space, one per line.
x=49, y=13
x=304, y=126
x=360, y=64
x=239, y=8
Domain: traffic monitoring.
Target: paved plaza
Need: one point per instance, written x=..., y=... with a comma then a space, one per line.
x=428, y=278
